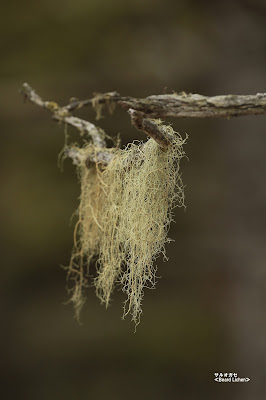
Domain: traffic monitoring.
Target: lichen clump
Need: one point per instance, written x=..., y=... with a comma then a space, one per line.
x=123, y=220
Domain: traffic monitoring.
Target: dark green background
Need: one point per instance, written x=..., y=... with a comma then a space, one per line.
x=208, y=313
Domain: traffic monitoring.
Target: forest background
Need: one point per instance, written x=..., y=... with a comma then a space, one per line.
x=207, y=313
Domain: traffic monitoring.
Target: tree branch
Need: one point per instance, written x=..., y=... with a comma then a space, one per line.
x=197, y=106
x=98, y=98
x=62, y=114
x=143, y=111
x=184, y=105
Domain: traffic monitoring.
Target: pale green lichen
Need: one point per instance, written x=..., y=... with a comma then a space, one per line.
x=123, y=219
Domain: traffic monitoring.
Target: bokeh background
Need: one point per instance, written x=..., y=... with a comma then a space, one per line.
x=208, y=313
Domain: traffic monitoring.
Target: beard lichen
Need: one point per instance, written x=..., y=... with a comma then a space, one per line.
x=123, y=220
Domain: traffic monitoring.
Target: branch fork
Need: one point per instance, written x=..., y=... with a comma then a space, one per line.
x=144, y=111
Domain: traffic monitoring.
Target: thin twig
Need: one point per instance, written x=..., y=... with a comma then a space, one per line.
x=100, y=98
x=62, y=114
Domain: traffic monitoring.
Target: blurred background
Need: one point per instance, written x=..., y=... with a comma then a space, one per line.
x=208, y=312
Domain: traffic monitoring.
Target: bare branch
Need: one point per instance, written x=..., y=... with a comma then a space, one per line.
x=197, y=106
x=83, y=126
x=98, y=97
x=184, y=105
x=62, y=114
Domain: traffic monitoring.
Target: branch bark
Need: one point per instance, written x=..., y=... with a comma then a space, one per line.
x=197, y=106
x=142, y=112
x=62, y=114
x=183, y=105
x=152, y=129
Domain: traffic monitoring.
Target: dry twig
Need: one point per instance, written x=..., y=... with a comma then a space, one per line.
x=197, y=106
x=62, y=114
x=185, y=105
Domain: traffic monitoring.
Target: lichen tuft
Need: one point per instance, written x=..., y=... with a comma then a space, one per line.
x=123, y=220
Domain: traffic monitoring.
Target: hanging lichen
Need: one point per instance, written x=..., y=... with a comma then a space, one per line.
x=123, y=219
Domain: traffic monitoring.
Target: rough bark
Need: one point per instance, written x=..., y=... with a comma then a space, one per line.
x=197, y=106
x=143, y=111
x=183, y=105
x=151, y=128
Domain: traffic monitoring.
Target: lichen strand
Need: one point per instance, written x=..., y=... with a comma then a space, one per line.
x=124, y=216
x=99, y=101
